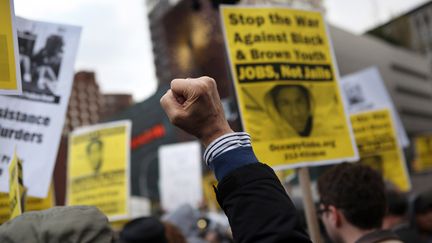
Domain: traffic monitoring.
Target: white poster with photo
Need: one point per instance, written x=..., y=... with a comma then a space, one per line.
x=33, y=122
x=180, y=177
x=365, y=91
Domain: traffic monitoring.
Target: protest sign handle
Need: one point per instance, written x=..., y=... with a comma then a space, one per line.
x=311, y=217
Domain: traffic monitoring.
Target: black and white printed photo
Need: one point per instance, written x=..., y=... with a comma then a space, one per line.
x=40, y=60
x=354, y=94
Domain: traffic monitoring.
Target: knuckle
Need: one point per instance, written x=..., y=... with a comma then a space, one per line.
x=201, y=88
x=209, y=81
x=206, y=84
x=211, y=84
x=176, y=82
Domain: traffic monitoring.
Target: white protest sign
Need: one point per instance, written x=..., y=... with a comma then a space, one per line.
x=34, y=121
x=365, y=91
x=180, y=178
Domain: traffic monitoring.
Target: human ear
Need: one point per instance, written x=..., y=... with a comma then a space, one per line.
x=335, y=216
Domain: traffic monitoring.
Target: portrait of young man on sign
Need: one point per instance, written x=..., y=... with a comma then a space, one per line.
x=288, y=111
x=293, y=106
x=94, y=153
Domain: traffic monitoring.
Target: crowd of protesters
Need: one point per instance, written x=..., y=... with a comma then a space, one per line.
x=355, y=204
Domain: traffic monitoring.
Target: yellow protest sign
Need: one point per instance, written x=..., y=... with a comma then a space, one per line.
x=4, y=207
x=208, y=181
x=31, y=204
x=423, y=147
x=37, y=204
x=10, y=77
x=378, y=146
x=287, y=86
x=284, y=175
x=98, y=168
x=16, y=187
x=119, y=224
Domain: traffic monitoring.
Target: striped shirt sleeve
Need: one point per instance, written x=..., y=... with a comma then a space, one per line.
x=229, y=152
x=226, y=143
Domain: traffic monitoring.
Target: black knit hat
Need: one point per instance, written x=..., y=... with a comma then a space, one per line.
x=146, y=229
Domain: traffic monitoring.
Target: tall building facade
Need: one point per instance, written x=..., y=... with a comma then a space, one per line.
x=412, y=30
x=115, y=103
x=188, y=42
x=85, y=103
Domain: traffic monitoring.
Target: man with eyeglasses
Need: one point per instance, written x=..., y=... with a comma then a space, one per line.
x=353, y=204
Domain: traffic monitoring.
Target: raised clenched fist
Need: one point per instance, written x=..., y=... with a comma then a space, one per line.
x=194, y=106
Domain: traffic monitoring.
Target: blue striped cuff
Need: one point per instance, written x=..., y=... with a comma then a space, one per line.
x=226, y=143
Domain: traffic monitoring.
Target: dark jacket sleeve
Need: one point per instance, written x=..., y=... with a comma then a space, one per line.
x=257, y=206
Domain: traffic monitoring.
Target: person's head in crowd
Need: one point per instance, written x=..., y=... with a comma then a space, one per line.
x=423, y=213
x=293, y=104
x=152, y=230
x=76, y=224
x=397, y=209
x=94, y=152
x=396, y=218
x=352, y=201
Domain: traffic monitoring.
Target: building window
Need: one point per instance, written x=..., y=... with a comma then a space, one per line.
x=414, y=93
x=410, y=72
x=416, y=114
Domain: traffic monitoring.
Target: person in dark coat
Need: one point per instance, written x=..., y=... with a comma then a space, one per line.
x=257, y=206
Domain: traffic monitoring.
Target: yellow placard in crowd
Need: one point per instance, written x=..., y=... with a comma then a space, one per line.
x=285, y=175
x=4, y=208
x=31, y=204
x=16, y=187
x=37, y=204
x=209, y=182
x=379, y=148
x=98, y=168
x=423, y=159
x=287, y=86
x=10, y=77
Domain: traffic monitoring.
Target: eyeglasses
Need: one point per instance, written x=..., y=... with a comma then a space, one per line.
x=321, y=211
x=322, y=208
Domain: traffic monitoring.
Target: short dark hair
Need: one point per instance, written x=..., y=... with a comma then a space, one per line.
x=358, y=191
x=274, y=92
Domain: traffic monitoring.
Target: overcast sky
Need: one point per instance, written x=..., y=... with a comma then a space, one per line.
x=115, y=41
x=360, y=15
